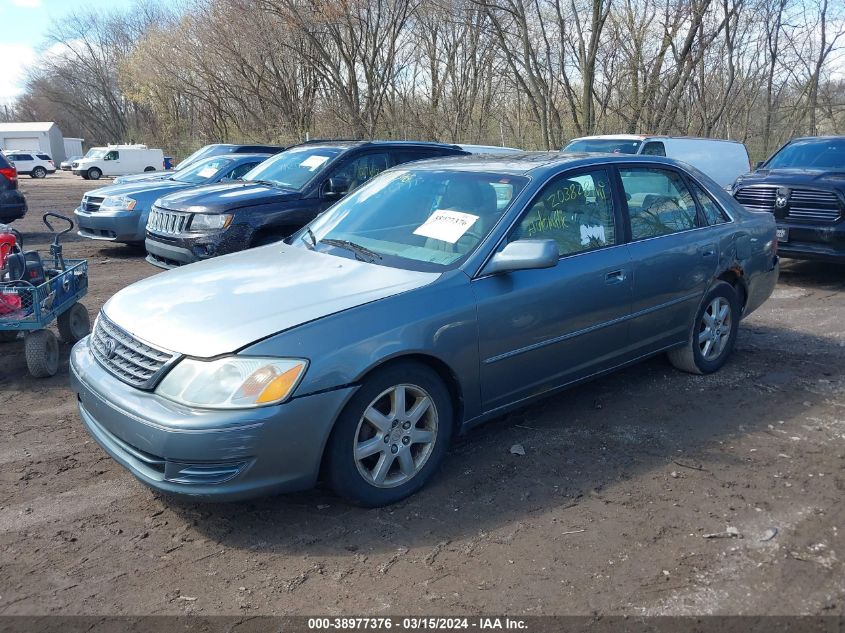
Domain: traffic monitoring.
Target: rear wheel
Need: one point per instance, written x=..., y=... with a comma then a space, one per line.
x=148, y=168
x=74, y=324
x=94, y=174
x=391, y=437
x=39, y=172
x=713, y=332
x=42, y=353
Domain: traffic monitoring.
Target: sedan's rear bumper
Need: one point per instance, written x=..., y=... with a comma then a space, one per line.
x=211, y=455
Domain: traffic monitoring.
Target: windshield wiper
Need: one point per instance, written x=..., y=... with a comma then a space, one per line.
x=310, y=234
x=360, y=251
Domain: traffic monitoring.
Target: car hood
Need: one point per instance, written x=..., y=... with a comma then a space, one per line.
x=146, y=176
x=812, y=177
x=221, y=305
x=224, y=197
x=143, y=186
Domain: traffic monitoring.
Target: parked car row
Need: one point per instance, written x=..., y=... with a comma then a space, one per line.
x=410, y=299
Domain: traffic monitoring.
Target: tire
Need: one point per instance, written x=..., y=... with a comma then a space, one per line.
x=84, y=176
x=39, y=172
x=42, y=353
x=394, y=466
x=147, y=169
x=94, y=174
x=7, y=336
x=74, y=323
x=709, y=345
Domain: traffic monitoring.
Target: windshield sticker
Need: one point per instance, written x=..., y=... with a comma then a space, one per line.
x=207, y=172
x=313, y=162
x=592, y=235
x=446, y=226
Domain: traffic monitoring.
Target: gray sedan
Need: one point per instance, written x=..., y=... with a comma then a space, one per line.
x=118, y=213
x=437, y=296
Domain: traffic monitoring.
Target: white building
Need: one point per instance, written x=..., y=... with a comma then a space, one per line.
x=40, y=136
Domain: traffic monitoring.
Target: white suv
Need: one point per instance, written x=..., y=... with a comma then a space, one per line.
x=33, y=164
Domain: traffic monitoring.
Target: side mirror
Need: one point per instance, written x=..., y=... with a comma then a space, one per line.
x=524, y=255
x=336, y=187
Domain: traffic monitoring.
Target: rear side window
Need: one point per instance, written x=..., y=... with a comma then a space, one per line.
x=574, y=211
x=712, y=213
x=659, y=202
x=360, y=169
x=654, y=148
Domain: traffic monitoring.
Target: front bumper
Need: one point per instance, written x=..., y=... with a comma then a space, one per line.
x=819, y=242
x=111, y=226
x=171, y=251
x=210, y=455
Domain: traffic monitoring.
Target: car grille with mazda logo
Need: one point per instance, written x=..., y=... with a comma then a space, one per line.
x=167, y=222
x=127, y=358
x=815, y=205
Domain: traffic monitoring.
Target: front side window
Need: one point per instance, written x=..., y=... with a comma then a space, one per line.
x=574, y=211
x=22, y=157
x=294, y=168
x=360, y=169
x=712, y=213
x=659, y=202
x=415, y=219
x=112, y=155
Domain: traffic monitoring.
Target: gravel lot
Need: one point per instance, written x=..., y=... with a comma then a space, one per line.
x=606, y=512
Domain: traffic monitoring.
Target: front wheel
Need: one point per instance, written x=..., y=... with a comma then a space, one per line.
x=39, y=172
x=713, y=332
x=149, y=168
x=42, y=353
x=94, y=174
x=391, y=437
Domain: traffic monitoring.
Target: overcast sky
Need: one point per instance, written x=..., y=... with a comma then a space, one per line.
x=23, y=25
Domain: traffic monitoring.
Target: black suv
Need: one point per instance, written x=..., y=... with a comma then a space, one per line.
x=12, y=202
x=803, y=184
x=273, y=200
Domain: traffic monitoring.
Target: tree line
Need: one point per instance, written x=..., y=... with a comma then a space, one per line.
x=524, y=73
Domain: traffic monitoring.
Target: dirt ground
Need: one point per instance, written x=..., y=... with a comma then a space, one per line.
x=607, y=512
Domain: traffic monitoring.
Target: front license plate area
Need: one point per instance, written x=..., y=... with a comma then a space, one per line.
x=782, y=234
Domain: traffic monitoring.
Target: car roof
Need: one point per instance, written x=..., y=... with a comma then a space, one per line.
x=829, y=137
x=351, y=143
x=642, y=137
x=531, y=163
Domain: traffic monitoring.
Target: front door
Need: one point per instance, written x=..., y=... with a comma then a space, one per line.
x=539, y=329
x=674, y=256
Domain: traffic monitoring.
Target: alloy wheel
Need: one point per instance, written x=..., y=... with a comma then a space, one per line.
x=395, y=436
x=715, y=328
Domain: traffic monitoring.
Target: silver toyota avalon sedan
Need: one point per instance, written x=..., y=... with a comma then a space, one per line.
x=438, y=295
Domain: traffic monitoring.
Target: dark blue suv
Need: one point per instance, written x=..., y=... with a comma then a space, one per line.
x=273, y=200
x=803, y=185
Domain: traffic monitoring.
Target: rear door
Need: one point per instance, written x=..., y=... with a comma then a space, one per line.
x=674, y=255
x=539, y=329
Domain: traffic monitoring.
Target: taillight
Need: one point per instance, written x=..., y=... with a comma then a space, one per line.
x=10, y=173
x=52, y=164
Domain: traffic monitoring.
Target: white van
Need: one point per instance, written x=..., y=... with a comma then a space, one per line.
x=118, y=160
x=722, y=160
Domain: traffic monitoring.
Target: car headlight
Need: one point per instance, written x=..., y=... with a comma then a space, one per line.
x=118, y=203
x=233, y=382
x=210, y=221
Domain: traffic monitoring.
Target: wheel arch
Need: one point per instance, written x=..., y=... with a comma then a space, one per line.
x=735, y=276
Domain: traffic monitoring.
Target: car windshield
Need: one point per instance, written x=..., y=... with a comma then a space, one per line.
x=95, y=153
x=202, y=171
x=294, y=168
x=613, y=146
x=206, y=151
x=428, y=220
x=817, y=153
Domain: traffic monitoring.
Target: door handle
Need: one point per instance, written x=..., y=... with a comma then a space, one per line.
x=615, y=277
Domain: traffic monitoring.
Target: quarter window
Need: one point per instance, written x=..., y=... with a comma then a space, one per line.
x=659, y=202
x=712, y=213
x=574, y=211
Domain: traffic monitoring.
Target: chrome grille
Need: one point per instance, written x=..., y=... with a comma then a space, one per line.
x=167, y=222
x=127, y=358
x=91, y=203
x=816, y=205
x=813, y=204
x=757, y=198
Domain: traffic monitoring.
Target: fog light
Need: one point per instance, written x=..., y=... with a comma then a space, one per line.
x=181, y=473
